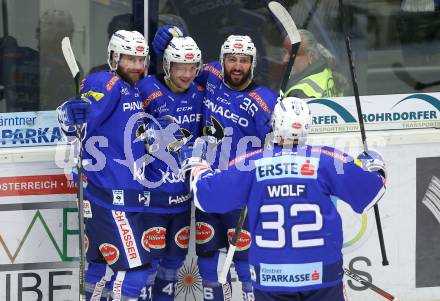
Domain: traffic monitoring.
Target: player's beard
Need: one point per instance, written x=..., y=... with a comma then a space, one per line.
x=130, y=78
x=234, y=84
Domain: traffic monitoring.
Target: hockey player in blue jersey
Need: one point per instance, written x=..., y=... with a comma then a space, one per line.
x=170, y=97
x=295, y=227
x=234, y=107
x=111, y=109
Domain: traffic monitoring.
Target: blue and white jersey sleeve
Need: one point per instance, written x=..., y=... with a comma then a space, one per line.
x=342, y=176
x=100, y=89
x=209, y=190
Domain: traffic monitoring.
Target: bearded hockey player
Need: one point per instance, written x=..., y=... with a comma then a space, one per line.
x=113, y=213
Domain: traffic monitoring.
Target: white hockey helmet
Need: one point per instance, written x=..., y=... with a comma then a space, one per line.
x=181, y=50
x=291, y=120
x=239, y=45
x=126, y=42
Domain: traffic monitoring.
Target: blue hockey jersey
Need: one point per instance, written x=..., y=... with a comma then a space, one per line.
x=169, y=193
x=110, y=146
x=230, y=116
x=295, y=227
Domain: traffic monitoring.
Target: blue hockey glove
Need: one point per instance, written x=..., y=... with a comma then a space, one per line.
x=164, y=35
x=192, y=158
x=373, y=162
x=74, y=112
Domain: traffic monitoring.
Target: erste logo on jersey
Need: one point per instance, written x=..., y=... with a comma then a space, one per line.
x=287, y=167
x=182, y=237
x=154, y=238
x=243, y=241
x=204, y=232
x=109, y=252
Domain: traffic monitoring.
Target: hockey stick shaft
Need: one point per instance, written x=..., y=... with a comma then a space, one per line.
x=286, y=21
x=71, y=62
x=361, y=126
x=369, y=285
x=233, y=246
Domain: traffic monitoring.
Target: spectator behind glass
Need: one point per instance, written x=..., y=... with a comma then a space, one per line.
x=313, y=74
x=55, y=77
x=419, y=31
x=118, y=22
x=19, y=84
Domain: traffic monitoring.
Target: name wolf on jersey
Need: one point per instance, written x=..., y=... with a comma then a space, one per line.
x=225, y=112
x=286, y=190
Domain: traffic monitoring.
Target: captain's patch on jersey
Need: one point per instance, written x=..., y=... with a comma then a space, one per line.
x=286, y=167
x=290, y=275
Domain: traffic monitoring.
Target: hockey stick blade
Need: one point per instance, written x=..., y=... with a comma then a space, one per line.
x=286, y=21
x=69, y=56
x=401, y=73
x=369, y=285
x=283, y=16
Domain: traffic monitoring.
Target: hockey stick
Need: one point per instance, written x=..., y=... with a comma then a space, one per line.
x=286, y=21
x=404, y=76
x=361, y=126
x=289, y=26
x=370, y=285
x=73, y=66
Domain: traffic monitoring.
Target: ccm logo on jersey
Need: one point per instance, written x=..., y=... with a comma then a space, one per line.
x=243, y=241
x=182, y=237
x=109, y=252
x=154, y=238
x=204, y=232
x=287, y=167
x=132, y=106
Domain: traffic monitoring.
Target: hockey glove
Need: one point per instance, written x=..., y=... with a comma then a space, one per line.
x=164, y=35
x=373, y=162
x=192, y=160
x=74, y=112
